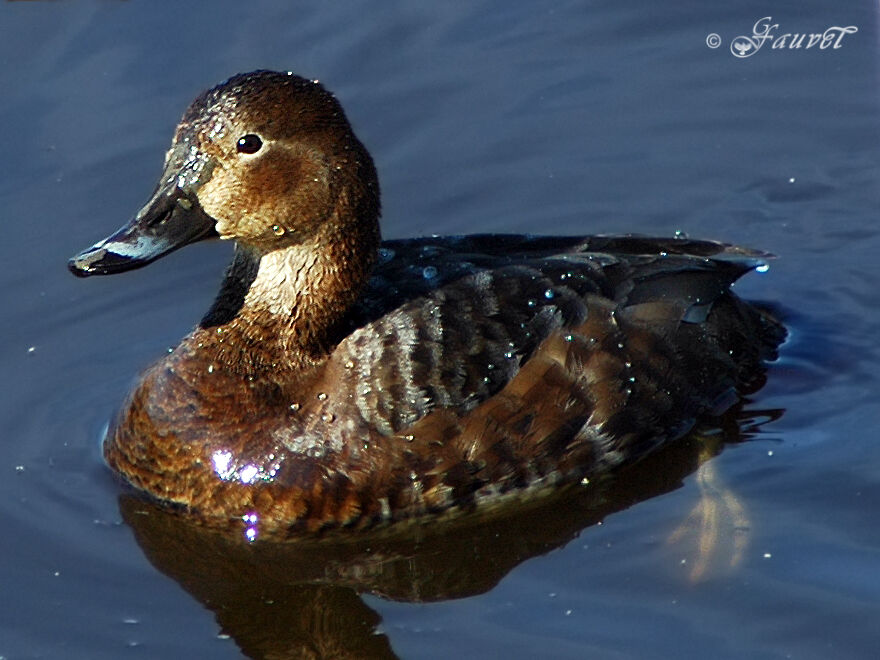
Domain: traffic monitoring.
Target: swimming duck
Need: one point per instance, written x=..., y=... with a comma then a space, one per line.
x=339, y=380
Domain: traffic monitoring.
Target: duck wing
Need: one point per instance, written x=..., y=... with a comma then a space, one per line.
x=448, y=322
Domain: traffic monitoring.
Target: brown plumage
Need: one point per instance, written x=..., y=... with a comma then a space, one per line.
x=338, y=380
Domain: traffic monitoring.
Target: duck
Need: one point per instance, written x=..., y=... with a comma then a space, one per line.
x=343, y=381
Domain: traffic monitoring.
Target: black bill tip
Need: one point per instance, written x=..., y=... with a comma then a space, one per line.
x=115, y=256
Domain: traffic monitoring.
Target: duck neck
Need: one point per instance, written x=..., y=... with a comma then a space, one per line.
x=284, y=309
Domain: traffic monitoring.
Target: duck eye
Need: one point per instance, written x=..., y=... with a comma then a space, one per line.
x=249, y=144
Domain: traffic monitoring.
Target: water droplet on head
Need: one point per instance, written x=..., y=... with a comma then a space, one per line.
x=429, y=272
x=549, y=294
x=278, y=230
x=322, y=396
x=327, y=417
x=532, y=303
x=385, y=255
x=762, y=268
x=294, y=406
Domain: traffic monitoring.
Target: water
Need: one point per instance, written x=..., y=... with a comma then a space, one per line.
x=587, y=117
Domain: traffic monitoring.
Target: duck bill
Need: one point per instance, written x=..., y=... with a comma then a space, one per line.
x=171, y=219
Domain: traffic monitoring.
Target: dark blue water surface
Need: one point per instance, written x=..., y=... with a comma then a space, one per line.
x=570, y=118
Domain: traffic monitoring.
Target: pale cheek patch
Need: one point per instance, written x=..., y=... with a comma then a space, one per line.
x=219, y=199
x=225, y=229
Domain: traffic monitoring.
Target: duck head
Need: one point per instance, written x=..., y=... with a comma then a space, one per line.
x=266, y=159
